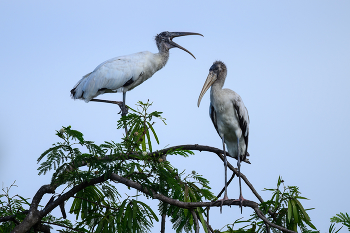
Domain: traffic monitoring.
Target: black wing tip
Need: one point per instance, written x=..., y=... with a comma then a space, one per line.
x=72, y=92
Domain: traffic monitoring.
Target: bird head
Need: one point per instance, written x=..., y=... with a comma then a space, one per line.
x=165, y=40
x=217, y=70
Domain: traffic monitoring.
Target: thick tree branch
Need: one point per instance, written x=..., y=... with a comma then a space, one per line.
x=175, y=202
x=42, y=228
x=197, y=147
x=71, y=193
x=34, y=215
x=189, y=205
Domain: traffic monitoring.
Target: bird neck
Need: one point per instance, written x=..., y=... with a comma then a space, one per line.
x=163, y=57
x=218, y=84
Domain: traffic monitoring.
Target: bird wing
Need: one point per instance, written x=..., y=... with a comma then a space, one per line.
x=243, y=118
x=212, y=114
x=111, y=76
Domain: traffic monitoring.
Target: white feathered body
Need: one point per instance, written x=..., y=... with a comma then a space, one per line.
x=230, y=118
x=119, y=74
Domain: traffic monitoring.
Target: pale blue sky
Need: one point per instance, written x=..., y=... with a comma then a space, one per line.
x=289, y=61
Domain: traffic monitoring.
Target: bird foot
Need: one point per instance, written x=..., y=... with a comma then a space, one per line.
x=222, y=202
x=240, y=199
x=122, y=110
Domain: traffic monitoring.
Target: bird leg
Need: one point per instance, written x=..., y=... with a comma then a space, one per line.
x=122, y=106
x=240, y=199
x=124, y=112
x=225, y=165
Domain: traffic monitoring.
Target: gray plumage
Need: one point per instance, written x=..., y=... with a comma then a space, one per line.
x=227, y=112
x=230, y=119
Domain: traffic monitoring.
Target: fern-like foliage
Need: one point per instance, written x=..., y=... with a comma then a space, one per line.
x=286, y=209
x=101, y=208
x=343, y=219
x=17, y=207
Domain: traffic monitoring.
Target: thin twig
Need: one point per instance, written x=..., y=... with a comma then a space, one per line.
x=266, y=221
x=195, y=220
x=162, y=227
x=96, y=203
x=61, y=225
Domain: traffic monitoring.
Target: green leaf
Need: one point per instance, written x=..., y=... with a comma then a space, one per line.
x=121, y=210
x=129, y=216
x=295, y=212
x=149, y=141
x=290, y=211
x=149, y=209
x=200, y=214
x=154, y=133
x=306, y=216
x=143, y=143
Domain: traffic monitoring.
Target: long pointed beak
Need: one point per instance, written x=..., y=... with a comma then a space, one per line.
x=178, y=34
x=210, y=80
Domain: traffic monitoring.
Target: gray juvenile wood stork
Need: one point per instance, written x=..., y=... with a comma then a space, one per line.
x=122, y=74
x=230, y=118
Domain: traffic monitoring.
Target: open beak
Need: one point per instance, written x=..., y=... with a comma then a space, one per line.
x=178, y=34
x=210, y=80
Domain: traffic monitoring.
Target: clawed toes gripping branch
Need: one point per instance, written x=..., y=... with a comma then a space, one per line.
x=91, y=175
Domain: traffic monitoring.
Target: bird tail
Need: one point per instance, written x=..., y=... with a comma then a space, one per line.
x=78, y=94
x=245, y=159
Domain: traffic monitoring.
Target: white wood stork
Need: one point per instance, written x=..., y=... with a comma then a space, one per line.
x=122, y=74
x=230, y=118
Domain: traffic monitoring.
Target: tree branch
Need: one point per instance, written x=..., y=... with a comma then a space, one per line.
x=195, y=220
x=12, y=217
x=34, y=215
x=162, y=226
x=266, y=221
x=223, y=189
x=60, y=225
x=189, y=205
x=244, y=178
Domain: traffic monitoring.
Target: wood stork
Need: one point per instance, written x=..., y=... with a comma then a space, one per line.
x=124, y=73
x=230, y=118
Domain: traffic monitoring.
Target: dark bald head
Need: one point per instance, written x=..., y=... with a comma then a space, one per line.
x=219, y=68
x=165, y=41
